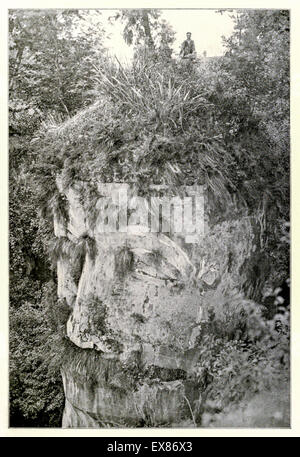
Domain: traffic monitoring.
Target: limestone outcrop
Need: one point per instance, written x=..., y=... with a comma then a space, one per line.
x=139, y=301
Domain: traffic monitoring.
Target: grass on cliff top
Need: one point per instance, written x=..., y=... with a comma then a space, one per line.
x=150, y=124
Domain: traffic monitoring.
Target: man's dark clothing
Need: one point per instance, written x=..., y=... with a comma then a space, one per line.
x=187, y=47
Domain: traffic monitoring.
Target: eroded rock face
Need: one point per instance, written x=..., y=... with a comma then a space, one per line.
x=138, y=301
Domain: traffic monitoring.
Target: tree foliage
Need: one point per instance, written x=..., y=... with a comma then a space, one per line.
x=52, y=54
x=36, y=393
x=145, y=27
x=257, y=63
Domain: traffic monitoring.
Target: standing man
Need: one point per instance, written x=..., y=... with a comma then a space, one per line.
x=188, y=50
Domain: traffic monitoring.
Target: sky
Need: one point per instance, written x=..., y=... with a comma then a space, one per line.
x=206, y=26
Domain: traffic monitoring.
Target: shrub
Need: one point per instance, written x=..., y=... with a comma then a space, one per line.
x=242, y=356
x=36, y=391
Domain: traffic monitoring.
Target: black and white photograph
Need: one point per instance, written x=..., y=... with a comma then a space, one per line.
x=149, y=218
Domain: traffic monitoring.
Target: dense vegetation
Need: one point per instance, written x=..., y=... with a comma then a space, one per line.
x=224, y=122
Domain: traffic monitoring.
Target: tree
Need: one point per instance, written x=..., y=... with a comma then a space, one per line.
x=36, y=393
x=145, y=29
x=249, y=87
x=51, y=58
x=257, y=63
x=52, y=54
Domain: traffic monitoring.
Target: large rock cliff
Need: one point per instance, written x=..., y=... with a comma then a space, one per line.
x=139, y=301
